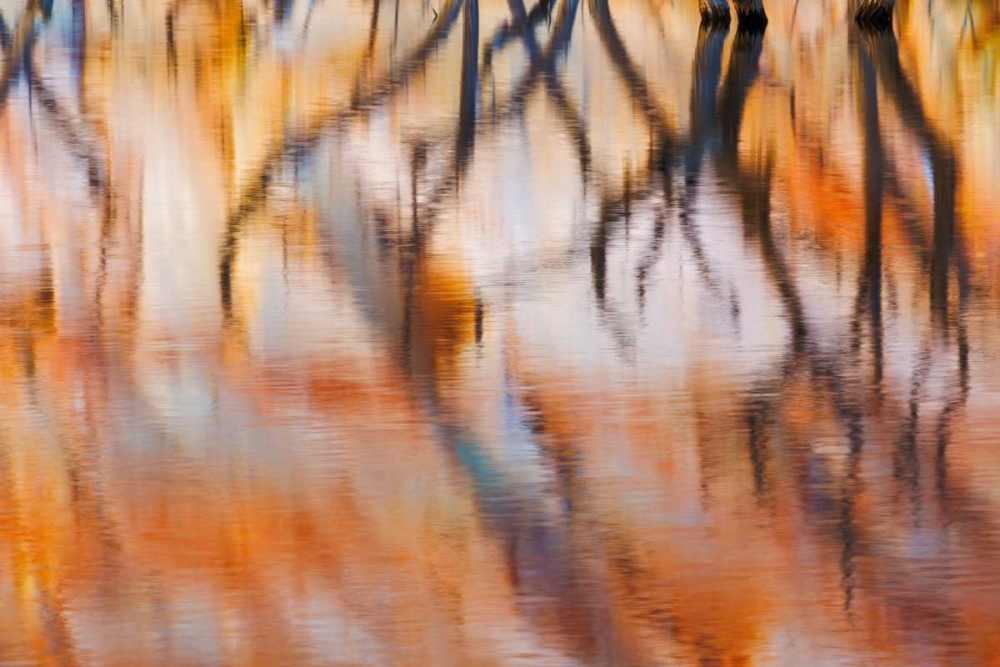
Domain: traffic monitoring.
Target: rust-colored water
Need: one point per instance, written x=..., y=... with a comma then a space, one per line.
x=459, y=332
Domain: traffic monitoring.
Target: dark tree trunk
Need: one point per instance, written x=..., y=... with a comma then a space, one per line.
x=470, y=84
x=750, y=13
x=714, y=12
x=877, y=13
x=874, y=169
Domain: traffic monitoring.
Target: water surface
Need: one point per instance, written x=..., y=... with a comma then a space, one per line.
x=470, y=332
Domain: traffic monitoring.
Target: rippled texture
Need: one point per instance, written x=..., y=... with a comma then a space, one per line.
x=465, y=332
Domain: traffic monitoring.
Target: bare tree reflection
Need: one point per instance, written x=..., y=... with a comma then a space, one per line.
x=871, y=282
x=19, y=50
x=884, y=52
x=303, y=139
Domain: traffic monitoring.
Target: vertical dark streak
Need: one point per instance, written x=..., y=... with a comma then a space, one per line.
x=884, y=53
x=312, y=10
x=599, y=263
x=283, y=8
x=395, y=26
x=78, y=41
x=744, y=68
x=113, y=13
x=906, y=459
x=373, y=30
x=873, y=170
x=757, y=444
x=4, y=33
x=172, y=43
x=651, y=255
x=943, y=239
x=479, y=317
x=706, y=74
x=469, y=87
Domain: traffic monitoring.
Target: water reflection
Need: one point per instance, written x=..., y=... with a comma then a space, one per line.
x=473, y=332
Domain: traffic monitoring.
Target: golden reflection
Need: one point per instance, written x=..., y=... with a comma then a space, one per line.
x=477, y=333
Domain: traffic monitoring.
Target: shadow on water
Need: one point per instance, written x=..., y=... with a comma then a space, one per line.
x=713, y=138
